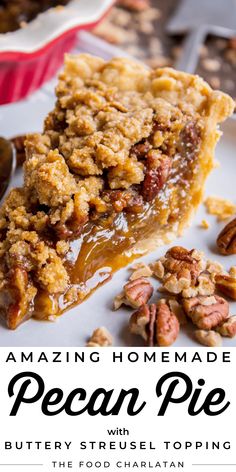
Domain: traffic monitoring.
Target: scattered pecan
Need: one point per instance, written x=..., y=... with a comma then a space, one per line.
x=228, y=328
x=178, y=259
x=156, y=324
x=226, y=240
x=178, y=311
x=206, y=312
x=167, y=325
x=226, y=284
x=100, y=338
x=208, y=338
x=156, y=175
x=140, y=270
x=140, y=320
x=136, y=293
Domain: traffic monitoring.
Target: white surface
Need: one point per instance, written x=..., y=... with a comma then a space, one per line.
x=75, y=326
x=53, y=23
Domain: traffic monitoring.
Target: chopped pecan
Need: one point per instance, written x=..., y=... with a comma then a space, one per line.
x=158, y=269
x=167, y=325
x=226, y=284
x=136, y=293
x=100, y=338
x=208, y=338
x=226, y=240
x=157, y=172
x=179, y=259
x=206, y=312
x=178, y=311
x=71, y=229
x=140, y=320
x=140, y=270
x=228, y=328
x=156, y=324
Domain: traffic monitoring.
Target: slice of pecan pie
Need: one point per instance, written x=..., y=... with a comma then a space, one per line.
x=118, y=170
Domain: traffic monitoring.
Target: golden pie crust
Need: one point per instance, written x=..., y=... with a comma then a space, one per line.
x=118, y=170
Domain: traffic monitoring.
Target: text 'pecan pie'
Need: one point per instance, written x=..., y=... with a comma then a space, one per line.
x=118, y=170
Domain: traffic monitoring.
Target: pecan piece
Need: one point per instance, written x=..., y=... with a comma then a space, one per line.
x=167, y=325
x=179, y=259
x=226, y=284
x=181, y=270
x=228, y=328
x=208, y=338
x=226, y=240
x=156, y=175
x=140, y=270
x=206, y=312
x=140, y=320
x=136, y=293
x=157, y=325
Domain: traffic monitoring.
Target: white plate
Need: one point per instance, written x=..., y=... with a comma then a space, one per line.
x=75, y=326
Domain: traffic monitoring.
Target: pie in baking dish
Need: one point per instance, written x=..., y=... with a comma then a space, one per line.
x=118, y=170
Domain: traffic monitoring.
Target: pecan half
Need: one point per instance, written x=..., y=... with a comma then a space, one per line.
x=156, y=175
x=157, y=325
x=136, y=293
x=167, y=325
x=226, y=240
x=181, y=271
x=228, y=328
x=206, y=312
x=226, y=284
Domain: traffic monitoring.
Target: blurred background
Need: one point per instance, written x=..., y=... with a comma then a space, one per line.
x=139, y=27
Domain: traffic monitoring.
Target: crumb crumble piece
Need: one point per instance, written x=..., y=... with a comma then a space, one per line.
x=220, y=207
x=100, y=338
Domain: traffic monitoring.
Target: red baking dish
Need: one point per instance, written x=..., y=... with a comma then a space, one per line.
x=32, y=55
